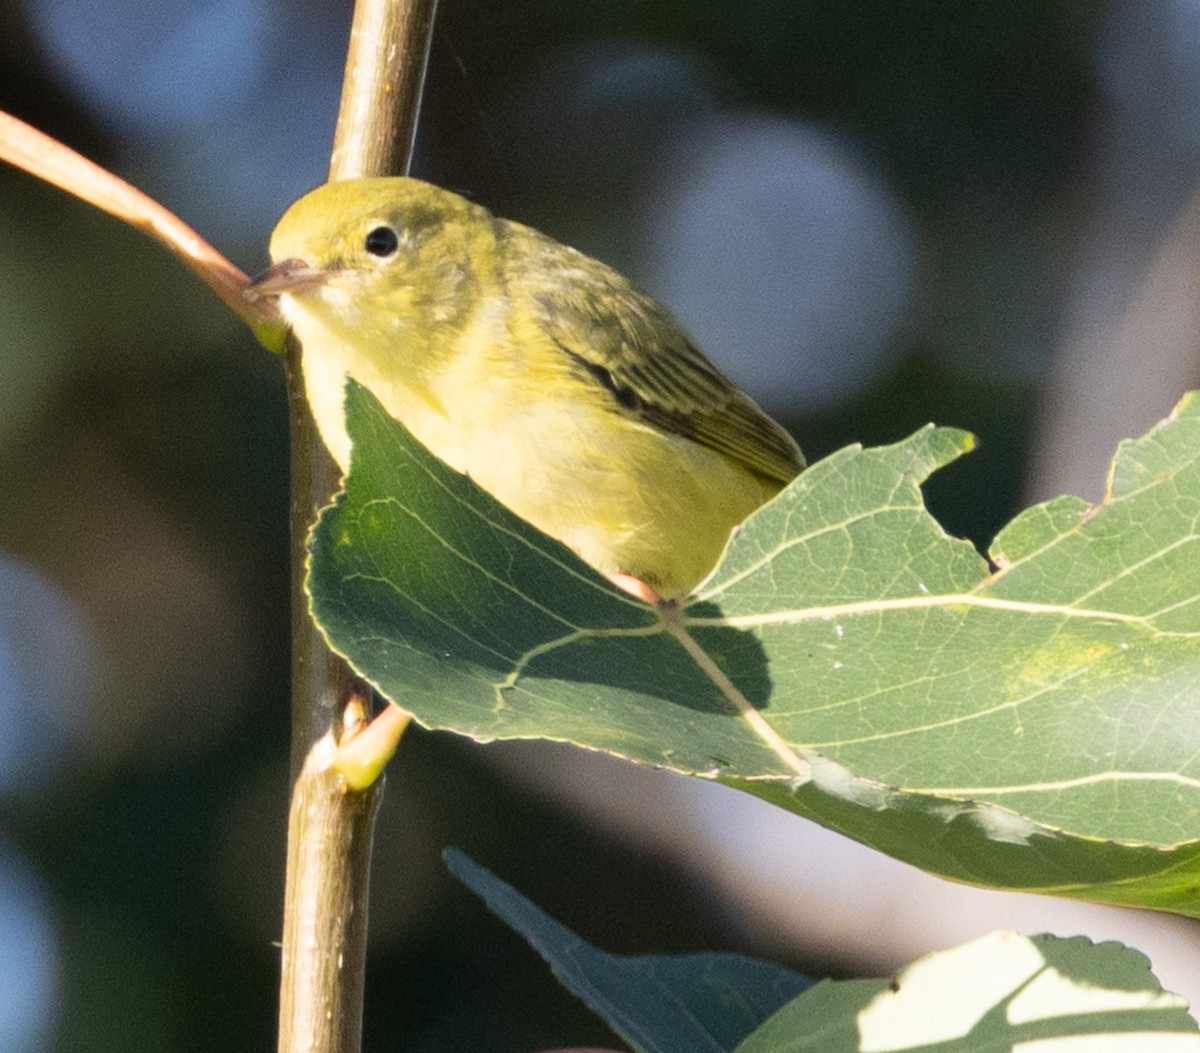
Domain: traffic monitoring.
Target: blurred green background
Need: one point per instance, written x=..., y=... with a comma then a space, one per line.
x=872, y=214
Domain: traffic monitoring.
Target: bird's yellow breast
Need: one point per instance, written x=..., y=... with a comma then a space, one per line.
x=626, y=496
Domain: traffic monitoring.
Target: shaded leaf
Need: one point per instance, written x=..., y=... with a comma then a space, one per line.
x=697, y=1003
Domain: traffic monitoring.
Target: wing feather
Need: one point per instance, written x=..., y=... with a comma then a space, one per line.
x=638, y=350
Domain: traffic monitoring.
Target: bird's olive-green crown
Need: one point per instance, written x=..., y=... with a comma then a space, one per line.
x=328, y=227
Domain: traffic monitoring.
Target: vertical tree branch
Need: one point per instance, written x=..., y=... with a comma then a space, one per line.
x=330, y=826
x=381, y=94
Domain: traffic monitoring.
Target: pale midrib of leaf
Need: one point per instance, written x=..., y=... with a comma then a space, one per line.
x=797, y=616
x=1061, y=784
x=745, y=709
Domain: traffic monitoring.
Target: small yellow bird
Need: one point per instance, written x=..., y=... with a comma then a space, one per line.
x=552, y=381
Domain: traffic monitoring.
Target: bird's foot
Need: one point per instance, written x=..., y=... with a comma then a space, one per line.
x=638, y=589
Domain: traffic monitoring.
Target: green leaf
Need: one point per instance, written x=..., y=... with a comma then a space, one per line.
x=1036, y=728
x=699, y=1003
x=1003, y=991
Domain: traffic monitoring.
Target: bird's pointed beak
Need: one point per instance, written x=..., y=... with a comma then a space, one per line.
x=287, y=276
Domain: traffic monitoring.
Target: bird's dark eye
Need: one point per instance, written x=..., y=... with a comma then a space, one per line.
x=382, y=242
